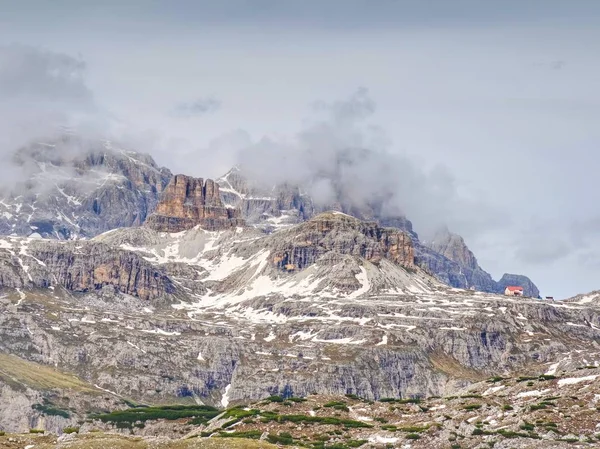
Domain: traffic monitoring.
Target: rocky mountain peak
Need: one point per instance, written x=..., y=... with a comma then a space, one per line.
x=267, y=207
x=188, y=202
x=345, y=235
x=70, y=187
x=453, y=247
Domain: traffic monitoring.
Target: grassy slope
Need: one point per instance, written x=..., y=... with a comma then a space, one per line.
x=17, y=371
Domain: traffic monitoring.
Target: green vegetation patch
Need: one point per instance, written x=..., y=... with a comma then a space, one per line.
x=237, y=414
x=531, y=378
x=284, y=438
x=414, y=429
x=337, y=405
x=471, y=407
x=401, y=401
x=495, y=379
x=250, y=434
x=510, y=434
x=324, y=420
x=201, y=414
x=527, y=426
x=49, y=410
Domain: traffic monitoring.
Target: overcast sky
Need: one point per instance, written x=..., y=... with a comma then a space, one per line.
x=494, y=105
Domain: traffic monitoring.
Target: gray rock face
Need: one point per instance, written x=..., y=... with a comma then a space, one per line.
x=79, y=188
x=454, y=248
x=81, y=267
x=444, y=269
x=267, y=208
x=236, y=326
x=342, y=234
x=518, y=280
x=448, y=258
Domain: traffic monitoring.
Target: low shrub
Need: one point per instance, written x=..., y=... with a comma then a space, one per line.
x=414, y=429
x=283, y=438
x=337, y=405
x=495, y=379
x=471, y=407
x=201, y=414
x=401, y=401
x=525, y=378
x=270, y=416
x=48, y=410
x=250, y=434
x=239, y=412
x=527, y=426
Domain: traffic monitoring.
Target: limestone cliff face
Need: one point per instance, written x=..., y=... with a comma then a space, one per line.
x=448, y=258
x=344, y=235
x=188, y=202
x=454, y=248
x=81, y=267
x=267, y=208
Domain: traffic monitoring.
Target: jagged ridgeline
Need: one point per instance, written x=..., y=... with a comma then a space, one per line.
x=217, y=294
x=74, y=187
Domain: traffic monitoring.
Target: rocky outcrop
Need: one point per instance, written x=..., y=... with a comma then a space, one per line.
x=448, y=258
x=81, y=267
x=442, y=268
x=454, y=248
x=344, y=235
x=518, y=280
x=188, y=202
x=267, y=208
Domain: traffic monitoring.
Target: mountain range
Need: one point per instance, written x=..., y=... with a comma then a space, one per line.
x=78, y=188
x=126, y=289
